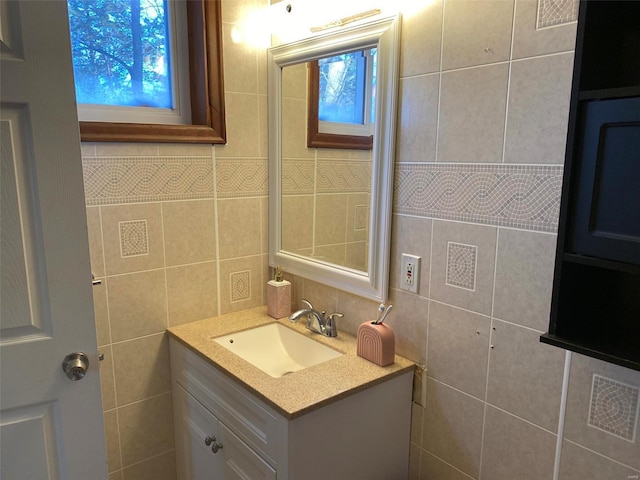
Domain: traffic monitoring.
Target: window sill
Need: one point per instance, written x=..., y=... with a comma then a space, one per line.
x=136, y=132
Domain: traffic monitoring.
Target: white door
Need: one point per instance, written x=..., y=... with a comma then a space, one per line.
x=51, y=427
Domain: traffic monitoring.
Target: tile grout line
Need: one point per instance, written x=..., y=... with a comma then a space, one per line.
x=217, y=232
x=141, y=337
x=506, y=106
x=415, y=163
x=116, y=275
x=164, y=267
x=506, y=115
x=477, y=224
x=491, y=330
x=548, y=231
x=315, y=203
x=435, y=154
x=449, y=464
x=602, y=455
x=440, y=83
x=153, y=457
x=104, y=266
x=113, y=364
x=562, y=416
x=480, y=314
x=531, y=329
x=142, y=400
x=507, y=412
x=522, y=419
x=490, y=64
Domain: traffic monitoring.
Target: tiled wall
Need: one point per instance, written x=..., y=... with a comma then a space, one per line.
x=177, y=233
x=482, y=122
x=326, y=191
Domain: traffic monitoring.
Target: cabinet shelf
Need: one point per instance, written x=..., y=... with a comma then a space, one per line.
x=602, y=350
x=610, y=93
x=595, y=307
x=600, y=262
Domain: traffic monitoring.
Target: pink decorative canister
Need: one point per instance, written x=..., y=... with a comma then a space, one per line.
x=376, y=343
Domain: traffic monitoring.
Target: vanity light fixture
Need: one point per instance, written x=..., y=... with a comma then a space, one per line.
x=296, y=19
x=345, y=20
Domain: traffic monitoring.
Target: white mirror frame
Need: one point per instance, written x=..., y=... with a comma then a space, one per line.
x=383, y=33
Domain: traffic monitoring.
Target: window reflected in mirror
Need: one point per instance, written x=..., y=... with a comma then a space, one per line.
x=342, y=100
x=326, y=192
x=346, y=97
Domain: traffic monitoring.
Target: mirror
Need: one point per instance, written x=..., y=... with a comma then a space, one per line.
x=330, y=208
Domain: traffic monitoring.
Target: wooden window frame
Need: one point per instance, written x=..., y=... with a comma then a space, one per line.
x=204, y=24
x=316, y=139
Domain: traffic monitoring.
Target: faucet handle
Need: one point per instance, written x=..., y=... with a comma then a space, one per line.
x=331, y=324
x=307, y=303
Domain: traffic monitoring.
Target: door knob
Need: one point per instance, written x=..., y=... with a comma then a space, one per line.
x=75, y=365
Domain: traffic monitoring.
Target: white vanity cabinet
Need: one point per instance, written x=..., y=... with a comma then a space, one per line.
x=362, y=436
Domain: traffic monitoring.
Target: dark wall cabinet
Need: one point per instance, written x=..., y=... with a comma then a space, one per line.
x=595, y=308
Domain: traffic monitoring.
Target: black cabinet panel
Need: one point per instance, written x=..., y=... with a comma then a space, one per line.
x=613, y=38
x=595, y=308
x=605, y=211
x=598, y=309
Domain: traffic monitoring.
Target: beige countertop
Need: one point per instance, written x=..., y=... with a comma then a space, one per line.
x=300, y=392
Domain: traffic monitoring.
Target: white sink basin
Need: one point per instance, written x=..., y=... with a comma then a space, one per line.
x=277, y=350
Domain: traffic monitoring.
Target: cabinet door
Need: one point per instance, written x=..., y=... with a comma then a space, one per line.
x=194, y=428
x=240, y=462
x=605, y=217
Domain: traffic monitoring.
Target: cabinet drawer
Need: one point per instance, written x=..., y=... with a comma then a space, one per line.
x=252, y=420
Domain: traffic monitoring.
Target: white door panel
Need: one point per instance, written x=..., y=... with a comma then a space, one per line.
x=51, y=427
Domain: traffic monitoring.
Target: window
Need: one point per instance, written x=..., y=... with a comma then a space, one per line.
x=342, y=100
x=129, y=60
x=148, y=70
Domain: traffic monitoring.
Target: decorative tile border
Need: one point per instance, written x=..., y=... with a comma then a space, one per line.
x=242, y=177
x=240, y=285
x=113, y=180
x=332, y=176
x=298, y=177
x=343, y=176
x=461, y=265
x=518, y=196
x=556, y=12
x=614, y=407
x=134, y=238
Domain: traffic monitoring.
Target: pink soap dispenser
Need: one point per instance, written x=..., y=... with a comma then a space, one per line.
x=278, y=296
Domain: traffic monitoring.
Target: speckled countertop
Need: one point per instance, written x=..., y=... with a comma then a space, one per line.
x=300, y=392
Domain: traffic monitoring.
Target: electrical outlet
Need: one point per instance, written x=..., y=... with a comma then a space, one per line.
x=410, y=273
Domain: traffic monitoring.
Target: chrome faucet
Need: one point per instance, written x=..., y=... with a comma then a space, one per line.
x=316, y=321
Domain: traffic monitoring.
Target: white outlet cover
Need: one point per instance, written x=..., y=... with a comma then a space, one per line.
x=410, y=273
